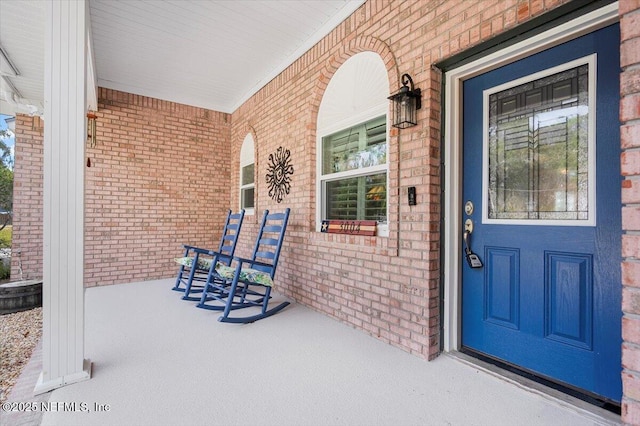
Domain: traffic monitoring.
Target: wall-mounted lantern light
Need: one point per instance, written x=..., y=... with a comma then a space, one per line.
x=405, y=104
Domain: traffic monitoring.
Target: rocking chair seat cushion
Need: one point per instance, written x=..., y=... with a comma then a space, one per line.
x=246, y=274
x=203, y=262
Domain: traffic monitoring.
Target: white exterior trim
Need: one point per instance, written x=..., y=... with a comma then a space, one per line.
x=63, y=219
x=453, y=148
x=92, y=75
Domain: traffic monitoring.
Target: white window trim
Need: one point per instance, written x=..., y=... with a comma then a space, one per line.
x=453, y=151
x=370, y=114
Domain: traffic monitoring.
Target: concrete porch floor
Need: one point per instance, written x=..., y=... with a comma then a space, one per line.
x=158, y=360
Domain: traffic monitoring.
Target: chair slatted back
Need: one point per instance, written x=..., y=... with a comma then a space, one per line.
x=269, y=241
x=230, y=234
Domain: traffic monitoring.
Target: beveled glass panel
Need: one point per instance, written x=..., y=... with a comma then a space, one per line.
x=538, y=149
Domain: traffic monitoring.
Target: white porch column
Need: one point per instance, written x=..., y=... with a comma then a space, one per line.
x=64, y=139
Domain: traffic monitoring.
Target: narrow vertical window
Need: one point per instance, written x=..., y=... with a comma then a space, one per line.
x=247, y=175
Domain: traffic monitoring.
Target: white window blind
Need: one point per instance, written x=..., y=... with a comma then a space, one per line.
x=355, y=172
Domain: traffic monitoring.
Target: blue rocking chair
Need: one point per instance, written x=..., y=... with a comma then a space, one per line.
x=203, y=259
x=248, y=283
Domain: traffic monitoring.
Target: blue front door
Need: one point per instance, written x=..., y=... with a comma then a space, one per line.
x=542, y=192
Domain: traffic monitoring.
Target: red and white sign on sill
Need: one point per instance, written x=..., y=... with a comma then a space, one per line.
x=350, y=227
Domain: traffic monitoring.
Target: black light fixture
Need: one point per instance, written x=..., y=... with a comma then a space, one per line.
x=405, y=104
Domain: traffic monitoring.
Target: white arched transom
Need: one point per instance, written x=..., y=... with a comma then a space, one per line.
x=247, y=151
x=357, y=91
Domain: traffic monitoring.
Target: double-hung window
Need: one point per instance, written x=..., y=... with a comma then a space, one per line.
x=247, y=176
x=352, y=164
x=247, y=188
x=354, y=172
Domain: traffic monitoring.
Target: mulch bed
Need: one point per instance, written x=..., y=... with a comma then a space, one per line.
x=19, y=335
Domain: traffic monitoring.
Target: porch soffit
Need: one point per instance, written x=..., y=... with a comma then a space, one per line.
x=211, y=54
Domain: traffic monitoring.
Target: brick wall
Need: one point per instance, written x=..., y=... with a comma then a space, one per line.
x=388, y=287
x=154, y=173
x=141, y=203
x=27, y=199
x=158, y=179
x=630, y=162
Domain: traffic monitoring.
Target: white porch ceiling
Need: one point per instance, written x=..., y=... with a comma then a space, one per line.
x=213, y=54
x=22, y=37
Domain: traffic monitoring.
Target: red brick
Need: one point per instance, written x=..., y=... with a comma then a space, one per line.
x=631, y=385
x=630, y=52
x=26, y=259
x=630, y=412
x=630, y=135
x=630, y=162
x=630, y=191
x=630, y=26
x=630, y=81
x=631, y=218
x=628, y=6
x=523, y=11
x=631, y=300
x=631, y=273
x=630, y=357
x=537, y=7
x=631, y=246
x=630, y=106
x=631, y=330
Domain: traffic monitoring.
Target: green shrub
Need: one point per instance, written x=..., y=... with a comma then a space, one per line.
x=5, y=237
x=5, y=271
x=5, y=242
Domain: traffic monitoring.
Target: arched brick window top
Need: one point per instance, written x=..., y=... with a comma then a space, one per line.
x=352, y=144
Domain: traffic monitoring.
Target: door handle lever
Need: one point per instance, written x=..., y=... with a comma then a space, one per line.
x=472, y=259
x=465, y=238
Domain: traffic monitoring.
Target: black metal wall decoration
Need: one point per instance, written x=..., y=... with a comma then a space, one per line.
x=279, y=175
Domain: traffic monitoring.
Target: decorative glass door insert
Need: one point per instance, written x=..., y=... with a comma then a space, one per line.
x=539, y=166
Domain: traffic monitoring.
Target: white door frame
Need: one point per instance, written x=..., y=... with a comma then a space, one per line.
x=454, y=78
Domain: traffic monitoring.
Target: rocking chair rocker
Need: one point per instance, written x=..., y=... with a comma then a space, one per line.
x=248, y=283
x=196, y=262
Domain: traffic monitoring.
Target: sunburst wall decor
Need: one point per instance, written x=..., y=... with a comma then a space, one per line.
x=279, y=175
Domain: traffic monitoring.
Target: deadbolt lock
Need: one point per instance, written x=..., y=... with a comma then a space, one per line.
x=468, y=208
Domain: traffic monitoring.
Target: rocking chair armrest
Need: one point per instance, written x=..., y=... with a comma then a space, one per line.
x=208, y=252
x=242, y=260
x=204, y=251
x=217, y=255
